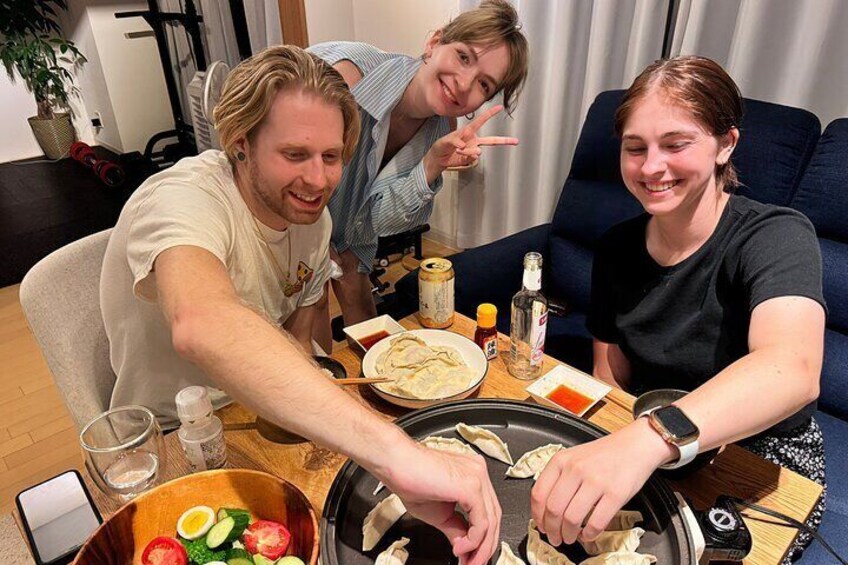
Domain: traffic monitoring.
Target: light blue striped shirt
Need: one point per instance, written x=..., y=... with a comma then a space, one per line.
x=370, y=202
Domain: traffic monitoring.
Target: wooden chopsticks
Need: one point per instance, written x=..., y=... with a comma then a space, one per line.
x=363, y=381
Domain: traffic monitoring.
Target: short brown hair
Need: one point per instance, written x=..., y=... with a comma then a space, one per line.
x=251, y=87
x=699, y=86
x=495, y=21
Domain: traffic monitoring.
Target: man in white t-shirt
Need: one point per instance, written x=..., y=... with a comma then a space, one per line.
x=212, y=274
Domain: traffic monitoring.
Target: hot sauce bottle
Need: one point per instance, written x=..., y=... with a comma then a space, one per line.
x=486, y=335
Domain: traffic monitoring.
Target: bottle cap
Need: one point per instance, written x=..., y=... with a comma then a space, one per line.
x=193, y=404
x=487, y=315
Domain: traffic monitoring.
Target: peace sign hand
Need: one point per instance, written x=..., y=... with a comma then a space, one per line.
x=462, y=147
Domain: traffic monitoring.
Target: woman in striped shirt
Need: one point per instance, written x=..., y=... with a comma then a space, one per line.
x=408, y=107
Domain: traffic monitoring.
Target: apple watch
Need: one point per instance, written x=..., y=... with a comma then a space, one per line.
x=678, y=430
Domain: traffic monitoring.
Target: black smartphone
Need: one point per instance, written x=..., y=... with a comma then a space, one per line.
x=58, y=516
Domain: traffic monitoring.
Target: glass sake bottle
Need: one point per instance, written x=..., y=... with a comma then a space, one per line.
x=529, y=322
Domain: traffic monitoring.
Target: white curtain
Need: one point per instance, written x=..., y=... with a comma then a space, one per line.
x=792, y=52
x=578, y=48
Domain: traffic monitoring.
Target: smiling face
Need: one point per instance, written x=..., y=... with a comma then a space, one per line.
x=668, y=159
x=457, y=78
x=294, y=161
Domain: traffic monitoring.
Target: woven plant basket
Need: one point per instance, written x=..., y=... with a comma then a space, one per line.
x=55, y=136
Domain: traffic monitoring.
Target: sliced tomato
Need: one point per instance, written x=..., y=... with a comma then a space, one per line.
x=164, y=551
x=268, y=539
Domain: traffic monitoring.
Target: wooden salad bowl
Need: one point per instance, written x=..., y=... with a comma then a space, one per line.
x=122, y=538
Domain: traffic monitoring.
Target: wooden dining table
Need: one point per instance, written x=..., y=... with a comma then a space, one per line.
x=735, y=471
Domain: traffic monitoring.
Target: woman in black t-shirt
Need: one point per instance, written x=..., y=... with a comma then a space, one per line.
x=707, y=292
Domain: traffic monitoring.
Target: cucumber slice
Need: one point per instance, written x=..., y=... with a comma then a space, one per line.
x=228, y=529
x=224, y=512
x=260, y=559
x=290, y=560
x=239, y=557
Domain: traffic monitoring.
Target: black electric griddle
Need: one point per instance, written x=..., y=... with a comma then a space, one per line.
x=524, y=427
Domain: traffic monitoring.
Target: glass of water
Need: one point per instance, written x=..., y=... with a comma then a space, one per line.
x=124, y=451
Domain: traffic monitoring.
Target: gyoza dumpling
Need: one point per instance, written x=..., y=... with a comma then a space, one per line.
x=621, y=558
x=448, y=444
x=532, y=463
x=487, y=441
x=607, y=542
x=624, y=520
x=394, y=356
x=541, y=553
x=380, y=519
x=439, y=443
x=395, y=554
x=507, y=557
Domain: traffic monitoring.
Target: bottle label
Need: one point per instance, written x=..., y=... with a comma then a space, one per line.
x=532, y=280
x=194, y=455
x=211, y=454
x=490, y=347
x=215, y=452
x=538, y=328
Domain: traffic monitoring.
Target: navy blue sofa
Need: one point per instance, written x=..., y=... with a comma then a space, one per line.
x=782, y=158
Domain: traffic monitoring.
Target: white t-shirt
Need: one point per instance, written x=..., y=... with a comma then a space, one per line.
x=195, y=202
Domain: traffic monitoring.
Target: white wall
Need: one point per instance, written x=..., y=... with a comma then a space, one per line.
x=329, y=20
x=130, y=92
x=401, y=26
x=16, y=139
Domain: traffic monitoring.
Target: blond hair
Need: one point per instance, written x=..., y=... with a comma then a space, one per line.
x=494, y=22
x=251, y=87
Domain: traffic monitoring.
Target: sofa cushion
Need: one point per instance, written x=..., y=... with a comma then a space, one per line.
x=835, y=281
x=570, y=274
x=834, y=525
x=823, y=193
x=833, y=397
x=775, y=145
x=569, y=341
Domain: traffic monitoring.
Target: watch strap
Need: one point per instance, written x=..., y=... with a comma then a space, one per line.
x=687, y=451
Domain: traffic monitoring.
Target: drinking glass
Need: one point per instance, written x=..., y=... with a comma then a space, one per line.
x=124, y=451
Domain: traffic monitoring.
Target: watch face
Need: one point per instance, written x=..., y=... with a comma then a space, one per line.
x=676, y=422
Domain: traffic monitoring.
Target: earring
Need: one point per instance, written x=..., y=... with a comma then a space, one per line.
x=240, y=156
x=470, y=116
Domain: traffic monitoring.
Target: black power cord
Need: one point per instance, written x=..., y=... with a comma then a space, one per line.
x=789, y=521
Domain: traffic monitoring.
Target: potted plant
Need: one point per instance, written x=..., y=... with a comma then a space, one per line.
x=31, y=45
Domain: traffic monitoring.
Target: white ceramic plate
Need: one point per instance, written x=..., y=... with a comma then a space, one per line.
x=570, y=378
x=470, y=352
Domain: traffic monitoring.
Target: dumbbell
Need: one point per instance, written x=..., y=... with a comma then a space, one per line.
x=110, y=173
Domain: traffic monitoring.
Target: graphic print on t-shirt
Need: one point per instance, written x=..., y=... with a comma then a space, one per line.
x=304, y=275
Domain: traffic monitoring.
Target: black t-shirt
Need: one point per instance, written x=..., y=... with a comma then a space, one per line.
x=681, y=325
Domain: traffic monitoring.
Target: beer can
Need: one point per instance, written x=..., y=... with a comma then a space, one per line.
x=435, y=293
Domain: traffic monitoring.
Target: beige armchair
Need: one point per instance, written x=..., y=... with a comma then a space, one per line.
x=60, y=297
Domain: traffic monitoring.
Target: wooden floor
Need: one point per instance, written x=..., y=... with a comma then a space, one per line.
x=38, y=439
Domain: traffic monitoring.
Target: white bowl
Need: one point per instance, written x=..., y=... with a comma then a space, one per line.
x=569, y=377
x=470, y=352
x=386, y=323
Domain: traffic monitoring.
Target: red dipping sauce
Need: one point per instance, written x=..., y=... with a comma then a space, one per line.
x=368, y=341
x=569, y=399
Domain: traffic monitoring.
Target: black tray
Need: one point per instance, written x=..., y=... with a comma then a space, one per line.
x=524, y=427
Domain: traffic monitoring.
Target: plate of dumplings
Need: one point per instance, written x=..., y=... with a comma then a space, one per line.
x=364, y=523
x=427, y=367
